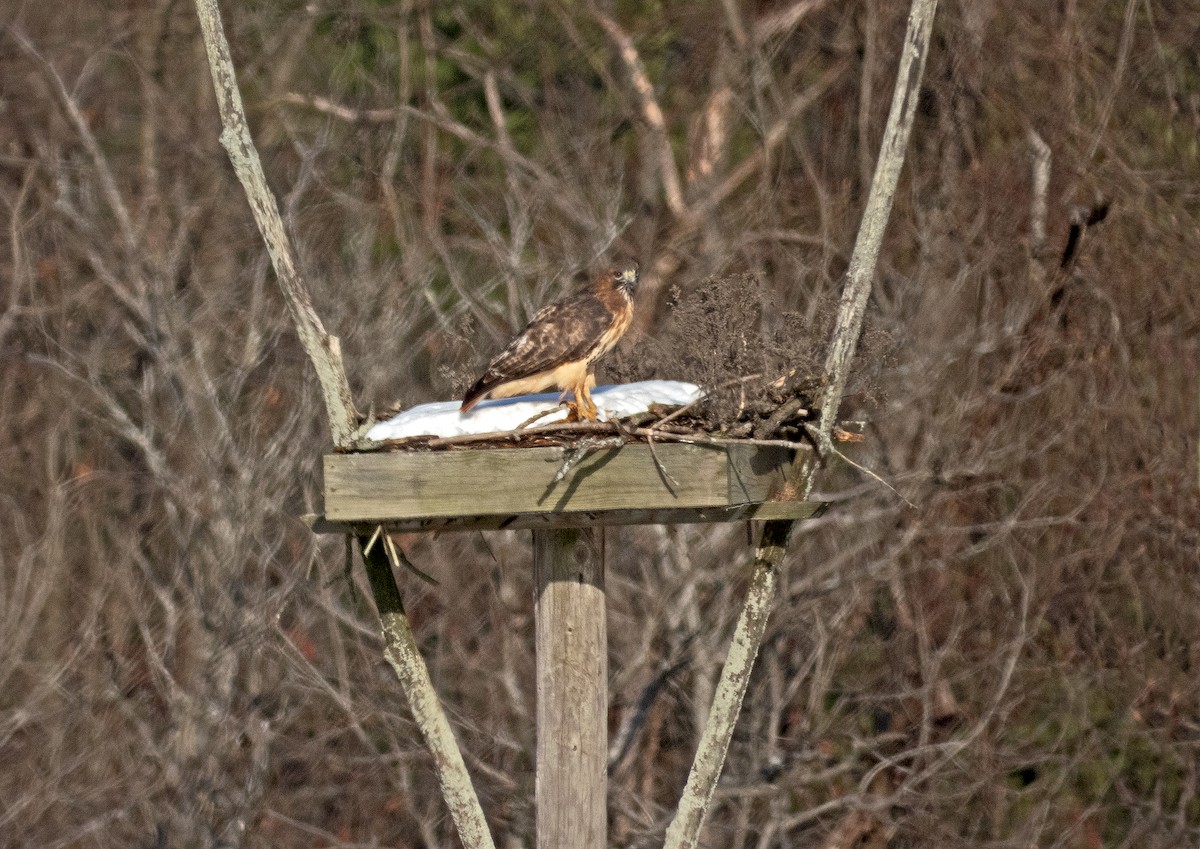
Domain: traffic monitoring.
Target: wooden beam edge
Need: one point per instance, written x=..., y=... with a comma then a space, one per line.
x=525, y=521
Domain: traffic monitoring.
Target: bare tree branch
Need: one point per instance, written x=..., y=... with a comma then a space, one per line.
x=684, y=830
x=322, y=349
x=400, y=649
x=1040, y=152
x=879, y=206
x=108, y=183
x=651, y=111
x=1041, y=185
x=400, y=646
x=784, y=20
x=711, y=199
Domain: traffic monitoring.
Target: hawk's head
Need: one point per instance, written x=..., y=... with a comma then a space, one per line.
x=625, y=276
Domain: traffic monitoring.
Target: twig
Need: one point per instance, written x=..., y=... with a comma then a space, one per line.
x=108, y=183
x=337, y=110
x=496, y=111
x=691, y=404
x=523, y=425
x=705, y=439
x=567, y=429
x=668, y=478
x=794, y=407
x=784, y=21
x=399, y=559
x=872, y=474
x=499, y=435
x=572, y=456
x=442, y=120
x=370, y=543
x=1123, y=50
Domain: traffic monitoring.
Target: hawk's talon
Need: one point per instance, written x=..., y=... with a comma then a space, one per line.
x=581, y=411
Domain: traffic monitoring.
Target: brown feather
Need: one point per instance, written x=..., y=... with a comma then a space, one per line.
x=560, y=345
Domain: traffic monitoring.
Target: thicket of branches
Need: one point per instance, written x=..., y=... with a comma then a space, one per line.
x=1012, y=662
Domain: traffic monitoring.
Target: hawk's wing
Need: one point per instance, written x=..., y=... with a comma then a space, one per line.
x=562, y=332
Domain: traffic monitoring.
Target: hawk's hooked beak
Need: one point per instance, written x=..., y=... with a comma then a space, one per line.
x=628, y=276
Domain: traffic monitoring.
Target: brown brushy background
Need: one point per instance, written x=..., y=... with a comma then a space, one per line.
x=1013, y=662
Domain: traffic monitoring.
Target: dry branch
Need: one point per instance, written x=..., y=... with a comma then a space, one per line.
x=651, y=111
x=784, y=20
x=879, y=207
x=1041, y=155
x=400, y=646
x=706, y=203
x=400, y=649
x=1041, y=186
x=79, y=123
x=684, y=831
x=321, y=348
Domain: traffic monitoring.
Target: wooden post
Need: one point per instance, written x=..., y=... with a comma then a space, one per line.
x=572, y=689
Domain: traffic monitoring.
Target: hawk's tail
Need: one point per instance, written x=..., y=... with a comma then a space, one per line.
x=475, y=394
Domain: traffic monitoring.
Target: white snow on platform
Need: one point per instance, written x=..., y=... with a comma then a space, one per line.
x=442, y=418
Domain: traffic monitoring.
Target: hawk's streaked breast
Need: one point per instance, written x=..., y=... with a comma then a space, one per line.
x=562, y=342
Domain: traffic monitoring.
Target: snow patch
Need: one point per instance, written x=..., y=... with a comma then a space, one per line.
x=442, y=418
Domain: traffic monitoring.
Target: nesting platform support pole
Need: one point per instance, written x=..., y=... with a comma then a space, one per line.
x=572, y=688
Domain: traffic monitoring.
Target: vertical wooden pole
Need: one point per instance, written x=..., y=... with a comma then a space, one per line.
x=572, y=689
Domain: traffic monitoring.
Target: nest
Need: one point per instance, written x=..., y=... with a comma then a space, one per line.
x=755, y=409
x=762, y=385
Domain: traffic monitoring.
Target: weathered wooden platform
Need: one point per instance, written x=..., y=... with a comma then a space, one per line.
x=511, y=488
x=560, y=492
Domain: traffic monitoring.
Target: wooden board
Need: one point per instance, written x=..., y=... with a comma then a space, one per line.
x=544, y=521
x=512, y=482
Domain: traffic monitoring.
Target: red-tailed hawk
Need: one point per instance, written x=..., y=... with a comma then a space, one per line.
x=562, y=343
